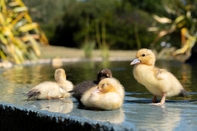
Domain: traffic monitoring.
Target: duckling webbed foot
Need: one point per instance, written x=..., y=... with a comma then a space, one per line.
x=154, y=100
x=163, y=99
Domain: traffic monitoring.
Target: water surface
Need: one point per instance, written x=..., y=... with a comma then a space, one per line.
x=177, y=114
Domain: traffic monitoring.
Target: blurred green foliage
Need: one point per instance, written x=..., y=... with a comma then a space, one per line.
x=121, y=24
x=178, y=26
x=47, y=13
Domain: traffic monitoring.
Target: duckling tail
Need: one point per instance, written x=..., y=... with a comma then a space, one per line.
x=183, y=93
x=32, y=94
x=72, y=91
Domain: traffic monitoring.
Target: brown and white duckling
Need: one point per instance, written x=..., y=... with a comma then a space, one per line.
x=52, y=90
x=158, y=81
x=82, y=87
x=108, y=95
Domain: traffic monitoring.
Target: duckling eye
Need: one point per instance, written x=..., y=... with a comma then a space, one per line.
x=105, y=75
x=103, y=85
x=143, y=55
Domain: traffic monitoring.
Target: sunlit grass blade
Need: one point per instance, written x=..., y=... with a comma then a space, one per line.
x=13, y=3
x=179, y=19
x=27, y=17
x=187, y=46
x=28, y=27
x=18, y=18
x=162, y=20
x=19, y=9
x=3, y=39
x=34, y=45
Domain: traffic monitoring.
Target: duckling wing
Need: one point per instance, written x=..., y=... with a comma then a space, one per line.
x=169, y=83
x=160, y=73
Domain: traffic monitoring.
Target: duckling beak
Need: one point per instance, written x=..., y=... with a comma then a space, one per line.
x=96, y=91
x=135, y=61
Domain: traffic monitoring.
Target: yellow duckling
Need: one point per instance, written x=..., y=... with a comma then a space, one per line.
x=52, y=90
x=159, y=82
x=82, y=87
x=108, y=95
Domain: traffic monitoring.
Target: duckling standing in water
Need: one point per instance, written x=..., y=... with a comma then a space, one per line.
x=82, y=87
x=52, y=90
x=158, y=81
x=108, y=95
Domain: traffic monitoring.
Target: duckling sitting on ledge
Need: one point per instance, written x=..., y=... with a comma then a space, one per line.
x=52, y=90
x=82, y=87
x=108, y=95
x=159, y=82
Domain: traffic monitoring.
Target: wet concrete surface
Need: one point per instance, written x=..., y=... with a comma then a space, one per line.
x=64, y=114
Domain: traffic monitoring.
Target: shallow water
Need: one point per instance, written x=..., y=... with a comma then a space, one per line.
x=177, y=114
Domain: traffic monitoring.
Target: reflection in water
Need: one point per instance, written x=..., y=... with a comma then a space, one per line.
x=114, y=116
x=66, y=106
x=173, y=115
x=168, y=119
x=62, y=105
x=29, y=74
x=80, y=71
x=77, y=72
x=186, y=76
x=154, y=117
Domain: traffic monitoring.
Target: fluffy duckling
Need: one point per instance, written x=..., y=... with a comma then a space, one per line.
x=108, y=95
x=158, y=81
x=82, y=87
x=52, y=90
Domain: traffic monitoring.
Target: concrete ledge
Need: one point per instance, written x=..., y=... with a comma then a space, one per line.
x=19, y=118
